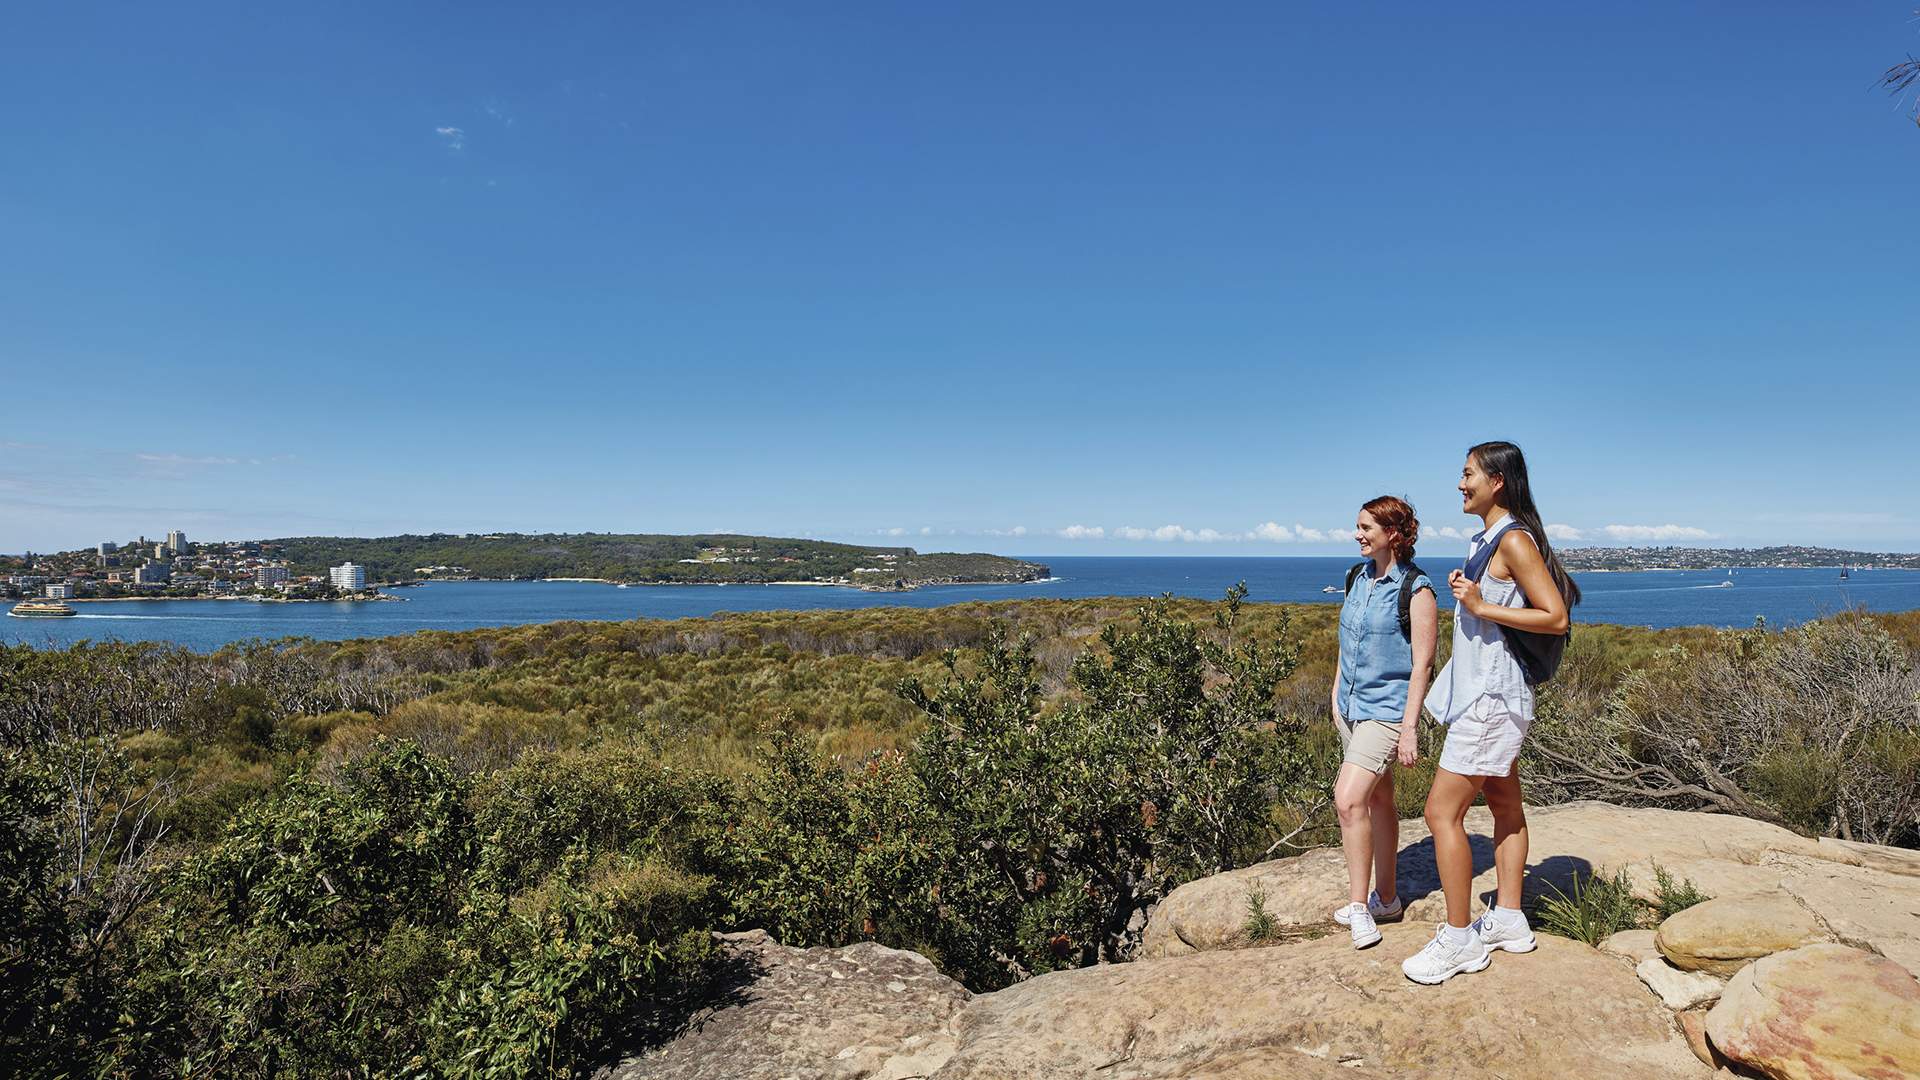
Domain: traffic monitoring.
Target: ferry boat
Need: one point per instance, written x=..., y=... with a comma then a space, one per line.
x=41, y=609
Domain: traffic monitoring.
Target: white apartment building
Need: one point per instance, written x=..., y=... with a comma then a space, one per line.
x=176, y=541
x=59, y=592
x=348, y=576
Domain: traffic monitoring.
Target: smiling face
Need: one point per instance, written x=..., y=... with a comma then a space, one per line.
x=1375, y=541
x=1479, y=491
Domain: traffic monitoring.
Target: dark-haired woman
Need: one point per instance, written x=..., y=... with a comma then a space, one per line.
x=1384, y=669
x=1513, y=581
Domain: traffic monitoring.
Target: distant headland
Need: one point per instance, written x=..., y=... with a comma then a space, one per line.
x=650, y=559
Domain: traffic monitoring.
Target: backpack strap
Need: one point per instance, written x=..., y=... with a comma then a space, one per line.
x=1476, y=565
x=1413, y=574
x=1353, y=574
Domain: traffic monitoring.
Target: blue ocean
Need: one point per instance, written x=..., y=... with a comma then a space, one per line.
x=1645, y=598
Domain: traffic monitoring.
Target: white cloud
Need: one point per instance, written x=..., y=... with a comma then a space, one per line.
x=926, y=530
x=1082, y=532
x=895, y=531
x=181, y=459
x=1445, y=532
x=1017, y=530
x=455, y=138
x=1274, y=531
x=1655, y=532
x=1314, y=536
x=1564, y=532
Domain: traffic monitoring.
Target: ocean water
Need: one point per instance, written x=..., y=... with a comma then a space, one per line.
x=1647, y=598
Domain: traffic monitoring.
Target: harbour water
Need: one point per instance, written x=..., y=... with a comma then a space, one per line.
x=1647, y=598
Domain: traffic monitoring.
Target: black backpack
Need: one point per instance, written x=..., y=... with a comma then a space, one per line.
x=1406, y=592
x=1538, y=654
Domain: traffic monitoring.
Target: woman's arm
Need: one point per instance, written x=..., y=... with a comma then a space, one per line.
x=1426, y=636
x=1546, y=610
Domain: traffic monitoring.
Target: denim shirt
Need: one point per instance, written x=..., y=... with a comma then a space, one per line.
x=1376, y=663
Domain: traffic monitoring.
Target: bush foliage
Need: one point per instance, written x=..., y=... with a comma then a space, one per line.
x=502, y=852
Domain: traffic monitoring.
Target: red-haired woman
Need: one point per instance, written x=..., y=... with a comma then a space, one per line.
x=1388, y=628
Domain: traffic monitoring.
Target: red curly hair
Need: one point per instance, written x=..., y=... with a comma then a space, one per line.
x=1395, y=515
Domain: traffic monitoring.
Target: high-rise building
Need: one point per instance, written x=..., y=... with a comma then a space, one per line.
x=159, y=551
x=348, y=576
x=269, y=575
x=153, y=573
x=60, y=591
x=108, y=547
x=176, y=541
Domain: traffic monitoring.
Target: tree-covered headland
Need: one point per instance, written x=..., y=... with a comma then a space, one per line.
x=501, y=852
x=645, y=558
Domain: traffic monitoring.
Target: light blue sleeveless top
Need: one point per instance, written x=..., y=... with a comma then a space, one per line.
x=1376, y=662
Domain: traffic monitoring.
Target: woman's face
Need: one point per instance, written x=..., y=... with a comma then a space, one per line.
x=1477, y=489
x=1372, y=538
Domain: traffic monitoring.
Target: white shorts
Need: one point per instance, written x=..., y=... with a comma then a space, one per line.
x=1486, y=740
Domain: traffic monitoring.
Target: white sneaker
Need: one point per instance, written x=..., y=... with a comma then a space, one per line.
x=1360, y=922
x=1437, y=961
x=1380, y=912
x=1513, y=936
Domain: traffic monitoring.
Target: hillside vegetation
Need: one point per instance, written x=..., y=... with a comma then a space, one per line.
x=498, y=852
x=651, y=559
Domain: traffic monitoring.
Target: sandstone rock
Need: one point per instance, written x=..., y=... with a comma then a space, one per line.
x=1724, y=934
x=1319, y=1009
x=1678, y=989
x=1693, y=1025
x=1822, y=1012
x=1868, y=896
x=1630, y=945
x=864, y=1012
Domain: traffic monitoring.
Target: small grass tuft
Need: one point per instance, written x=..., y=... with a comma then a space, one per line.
x=1261, y=926
x=1670, y=895
x=1596, y=908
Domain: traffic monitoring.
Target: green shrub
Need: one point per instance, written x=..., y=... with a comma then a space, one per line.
x=1158, y=767
x=1595, y=909
x=1670, y=896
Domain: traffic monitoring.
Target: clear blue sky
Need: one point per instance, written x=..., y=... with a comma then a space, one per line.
x=979, y=273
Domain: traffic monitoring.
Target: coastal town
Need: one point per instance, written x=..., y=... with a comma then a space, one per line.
x=1793, y=557
x=175, y=569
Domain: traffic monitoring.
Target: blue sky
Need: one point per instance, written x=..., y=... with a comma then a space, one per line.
x=1102, y=278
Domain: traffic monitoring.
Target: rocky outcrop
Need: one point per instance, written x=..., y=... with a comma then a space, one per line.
x=1823, y=1012
x=1727, y=933
x=1321, y=1009
x=865, y=1012
x=1315, y=1009
x=1865, y=895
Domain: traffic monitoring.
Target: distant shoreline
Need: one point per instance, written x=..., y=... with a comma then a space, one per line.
x=378, y=597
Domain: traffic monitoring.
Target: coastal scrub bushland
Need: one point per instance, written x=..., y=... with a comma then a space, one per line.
x=500, y=852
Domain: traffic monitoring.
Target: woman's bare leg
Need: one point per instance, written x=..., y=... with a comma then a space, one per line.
x=1509, y=835
x=1352, y=796
x=1447, y=807
x=1386, y=838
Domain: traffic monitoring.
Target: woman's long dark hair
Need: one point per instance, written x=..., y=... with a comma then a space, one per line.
x=1503, y=459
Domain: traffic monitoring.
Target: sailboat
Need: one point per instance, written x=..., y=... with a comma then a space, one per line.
x=1843, y=571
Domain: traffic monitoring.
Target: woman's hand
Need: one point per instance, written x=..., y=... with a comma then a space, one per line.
x=1466, y=592
x=1409, y=749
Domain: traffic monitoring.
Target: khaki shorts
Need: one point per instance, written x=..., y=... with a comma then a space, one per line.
x=1370, y=744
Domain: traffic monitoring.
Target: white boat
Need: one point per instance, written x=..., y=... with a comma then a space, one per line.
x=1333, y=589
